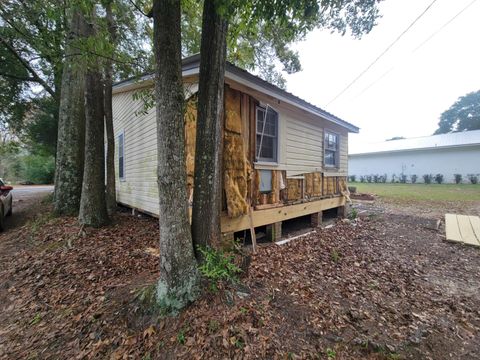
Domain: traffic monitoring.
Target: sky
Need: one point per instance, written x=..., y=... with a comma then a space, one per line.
x=405, y=92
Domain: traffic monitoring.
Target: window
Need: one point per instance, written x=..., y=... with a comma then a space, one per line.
x=331, y=145
x=121, y=156
x=267, y=134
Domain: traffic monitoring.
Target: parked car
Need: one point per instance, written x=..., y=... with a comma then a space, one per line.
x=5, y=202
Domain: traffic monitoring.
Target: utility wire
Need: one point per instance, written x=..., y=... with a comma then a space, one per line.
x=419, y=46
x=383, y=52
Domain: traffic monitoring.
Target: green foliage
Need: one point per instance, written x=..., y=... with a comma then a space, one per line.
x=353, y=214
x=438, y=178
x=38, y=169
x=463, y=115
x=473, y=178
x=331, y=354
x=458, y=178
x=413, y=178
x=427, y=178
x=36, y=319
x=218, y=266
x=335, y=255
x=352, y=178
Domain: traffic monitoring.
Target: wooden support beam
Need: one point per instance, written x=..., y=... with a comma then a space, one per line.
x=270, y=216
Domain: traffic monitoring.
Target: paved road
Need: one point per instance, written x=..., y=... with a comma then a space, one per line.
x=20, y=191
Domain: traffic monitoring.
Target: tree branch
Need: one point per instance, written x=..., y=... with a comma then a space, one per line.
x=20, y=78
x=27, y=66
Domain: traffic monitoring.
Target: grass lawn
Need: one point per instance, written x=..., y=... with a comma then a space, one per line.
x=431, y=192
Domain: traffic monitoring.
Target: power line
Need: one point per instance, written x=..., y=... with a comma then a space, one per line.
x=419, y=46
x=383, y=52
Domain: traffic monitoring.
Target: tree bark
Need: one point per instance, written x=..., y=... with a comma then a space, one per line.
x=93, y=207
x=71, y=127
x=207, y=194
x=178, y=280
x=111, y=196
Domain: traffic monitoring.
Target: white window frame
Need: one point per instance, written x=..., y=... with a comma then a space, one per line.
x=122, y=134
x=258, y=159
x=337, y=150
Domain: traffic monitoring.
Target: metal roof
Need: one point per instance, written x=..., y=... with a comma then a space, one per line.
x=457, y=139
x=191, y=65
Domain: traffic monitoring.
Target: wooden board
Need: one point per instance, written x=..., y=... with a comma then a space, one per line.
x=463, y=228
x=270, y=216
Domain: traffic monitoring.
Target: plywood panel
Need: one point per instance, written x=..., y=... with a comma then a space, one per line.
x=466, y=231
x=451, y=228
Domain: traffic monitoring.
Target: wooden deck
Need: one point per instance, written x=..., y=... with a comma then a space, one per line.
x=462, y=228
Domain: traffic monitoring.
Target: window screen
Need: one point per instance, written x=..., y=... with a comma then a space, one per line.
x=331, y=145
x=121, y=156
x=267, y=134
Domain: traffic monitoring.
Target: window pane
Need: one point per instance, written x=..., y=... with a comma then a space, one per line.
x=269, y=148
x=330, y=157
x=269, y=131
x=121, y=158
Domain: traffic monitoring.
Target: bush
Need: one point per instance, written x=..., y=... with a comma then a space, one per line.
x=218, y=266
x=458, y=178
x=427, y=178
x=438, y=178
x=362, y=179
x=376, y=178
x=353, y=178
x=403, y=178
x=369, y=178
x=413, y=178
x=383, y=178
x=473, y=178
x=393, y=178
x=38, y=169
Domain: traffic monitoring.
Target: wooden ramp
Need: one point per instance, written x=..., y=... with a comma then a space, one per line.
x=462, y=228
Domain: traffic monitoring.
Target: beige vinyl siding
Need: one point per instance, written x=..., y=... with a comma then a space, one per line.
x=139, y=187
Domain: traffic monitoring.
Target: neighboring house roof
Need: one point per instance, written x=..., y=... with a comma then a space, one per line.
x=458, y=139
x=191, y=65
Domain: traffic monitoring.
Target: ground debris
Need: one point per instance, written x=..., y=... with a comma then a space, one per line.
x=386, y=288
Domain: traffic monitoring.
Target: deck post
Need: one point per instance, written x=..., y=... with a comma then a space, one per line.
x=316, y=219
x=227, y=241
x=342, y=211
x=274, y=231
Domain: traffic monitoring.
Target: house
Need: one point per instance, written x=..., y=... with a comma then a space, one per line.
x=283, y=157
x=446, y=154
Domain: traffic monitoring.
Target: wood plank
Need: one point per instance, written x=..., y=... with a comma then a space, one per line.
x=270, y=216
x=252, y=230
x=451, y=228
x=475, y=222
x=468, y=236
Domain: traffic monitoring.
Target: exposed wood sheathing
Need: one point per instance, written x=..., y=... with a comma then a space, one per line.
x=330, y=185
x=190, y=137
x=235, y=164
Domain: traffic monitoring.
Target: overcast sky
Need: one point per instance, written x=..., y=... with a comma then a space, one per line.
x=405, y=92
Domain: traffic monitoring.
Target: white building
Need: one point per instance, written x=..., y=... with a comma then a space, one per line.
x=446, y=154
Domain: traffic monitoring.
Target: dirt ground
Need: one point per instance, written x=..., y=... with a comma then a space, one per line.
x=384, y=286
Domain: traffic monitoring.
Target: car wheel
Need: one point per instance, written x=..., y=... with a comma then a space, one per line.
x=11, y=208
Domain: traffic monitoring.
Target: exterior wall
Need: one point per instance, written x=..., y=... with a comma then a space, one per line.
x=138, y=189
x=300, y=146
x=450, y=161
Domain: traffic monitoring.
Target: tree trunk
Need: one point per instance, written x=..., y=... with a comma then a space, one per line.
x=71, y=127
x=93, y=207
x=178, y=280
x=111, y=196
x=207, y=194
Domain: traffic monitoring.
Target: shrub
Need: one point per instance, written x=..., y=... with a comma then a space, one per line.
x=393, y=178
x=362, y=179
x=438, y=178
x=383, y=178
x=413, y=178
x=38, y=169
x=376, y=178
x=427, y=178
x=369, y=178
x=458, y=178
x=218, y=266
x=353, y=178
x=403, y=178
x=473, y=178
